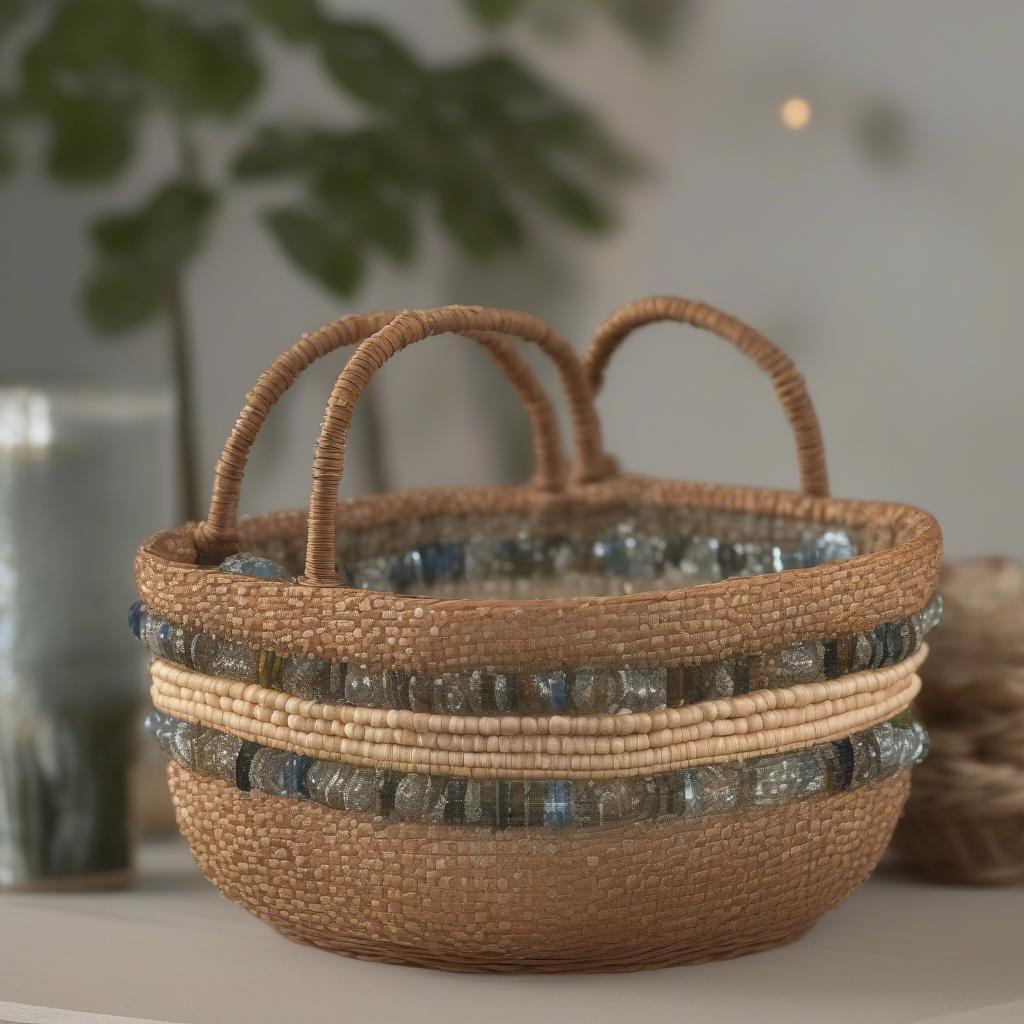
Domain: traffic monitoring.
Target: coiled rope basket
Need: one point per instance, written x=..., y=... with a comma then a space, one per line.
x=597, y=722
x=965, y=819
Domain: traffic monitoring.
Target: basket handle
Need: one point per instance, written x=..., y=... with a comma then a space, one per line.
x=217, y=536
x=788, y=384
x=407, y=329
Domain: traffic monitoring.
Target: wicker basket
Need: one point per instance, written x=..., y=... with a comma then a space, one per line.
x=597, y=722
x=965, y=821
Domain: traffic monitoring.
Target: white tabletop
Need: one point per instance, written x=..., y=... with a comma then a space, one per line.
x=171, y=949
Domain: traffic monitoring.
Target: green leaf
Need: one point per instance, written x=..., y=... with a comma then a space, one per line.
x=575, y=132
x=139, y=251
x=278, y=150
x=294, y=19
x=371, y=64
x=274, y=150
x=88, y=48
x=91, y=139
x=121, y=295
x=201, y=68
x=163, y=234
x=390, y=225
x=495, y=12
x=477, y=217
x=569, y=200
x=650, y=22
x=374, y=214
x=318, y=247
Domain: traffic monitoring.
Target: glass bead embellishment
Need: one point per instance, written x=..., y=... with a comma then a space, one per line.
x=574, y=691
x=760, y=782
x=256, y=565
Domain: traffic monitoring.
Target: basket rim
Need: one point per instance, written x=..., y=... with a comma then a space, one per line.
x=661, y=627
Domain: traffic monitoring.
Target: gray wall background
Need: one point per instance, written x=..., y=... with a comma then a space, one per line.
x=895, y=285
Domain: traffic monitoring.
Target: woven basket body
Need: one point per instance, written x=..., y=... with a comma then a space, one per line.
x=598, y=722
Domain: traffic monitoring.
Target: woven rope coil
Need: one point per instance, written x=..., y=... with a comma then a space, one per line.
x=768, y=721
x=965, y=821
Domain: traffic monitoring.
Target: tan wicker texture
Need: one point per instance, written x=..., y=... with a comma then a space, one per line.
x=615, y=898
x=965, y=820
x=217, y=536
x=788, y=384
x=669, y=889
x=657, y=628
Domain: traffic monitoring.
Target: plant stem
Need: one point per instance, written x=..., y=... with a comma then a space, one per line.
x=185, y=399
x=181, y=353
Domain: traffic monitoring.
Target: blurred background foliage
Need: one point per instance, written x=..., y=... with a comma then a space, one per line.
x=475, y=143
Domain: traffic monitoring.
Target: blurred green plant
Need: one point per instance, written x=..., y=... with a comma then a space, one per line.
x=476, y=142
x=651, y=22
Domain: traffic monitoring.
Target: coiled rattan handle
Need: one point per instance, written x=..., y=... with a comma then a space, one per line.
x=789, y=385
x=406, y=329
x=217, y=536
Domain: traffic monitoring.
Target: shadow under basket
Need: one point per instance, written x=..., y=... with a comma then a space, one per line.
x=599, y=722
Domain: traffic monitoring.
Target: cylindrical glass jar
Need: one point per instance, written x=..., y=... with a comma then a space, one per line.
x=81, y=480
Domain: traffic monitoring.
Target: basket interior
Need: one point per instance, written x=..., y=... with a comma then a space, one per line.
x=573, y=551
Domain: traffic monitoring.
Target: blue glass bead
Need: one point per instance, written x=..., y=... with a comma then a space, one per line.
x=165, y=636
x=614, y=555
x=135, y=619
x=441, y=560
x=256, y=565
x=155, y=723
x=404, y=572
x=558, y=804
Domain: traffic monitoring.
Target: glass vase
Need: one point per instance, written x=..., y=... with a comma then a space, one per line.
x=83, y=476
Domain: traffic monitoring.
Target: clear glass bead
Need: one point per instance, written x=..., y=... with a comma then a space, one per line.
x=643, y=689
x=773, y=780
x=327, y=782
x=803, y=663
x=361, y=790
x=232, y=661
x=411, y=797
x=700, y=559
x=245, y=564
x=365, y=688
x=712, y=789
x=596, y=691
x=216, y=754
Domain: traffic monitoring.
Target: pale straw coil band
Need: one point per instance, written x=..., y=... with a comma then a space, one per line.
x=702, y=742
x=284, y=708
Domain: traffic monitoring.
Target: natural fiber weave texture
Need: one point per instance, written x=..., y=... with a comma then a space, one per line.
x=788, y=384
x=965, y=820
x=615, y=898
x=217, y=536
x=659, y=628
x=552, y=895
x=764, y=722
